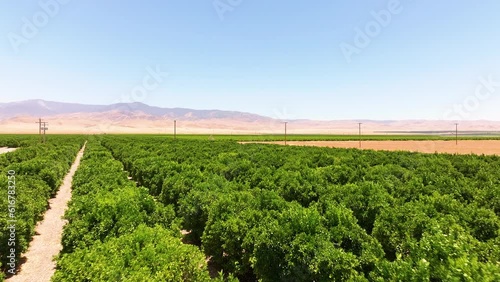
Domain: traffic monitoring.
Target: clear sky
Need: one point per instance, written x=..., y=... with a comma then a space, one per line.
x=315, y=59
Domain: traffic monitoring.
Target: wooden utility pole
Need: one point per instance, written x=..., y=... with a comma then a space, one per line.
x=456, y=133
x=175, y=129
x=39, y=128
x=285, y=132
x=359, y=124
x=42, y=126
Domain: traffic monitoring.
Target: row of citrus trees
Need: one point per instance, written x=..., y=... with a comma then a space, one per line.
x=18, y=140
x=315, y=214
x=29, y=176
x=116, y=231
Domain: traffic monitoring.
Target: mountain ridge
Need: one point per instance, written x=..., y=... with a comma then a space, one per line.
x=39, y=107
x=20, y=117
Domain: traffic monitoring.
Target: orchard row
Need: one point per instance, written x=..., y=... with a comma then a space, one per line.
x=29, y=176
x=316, y=214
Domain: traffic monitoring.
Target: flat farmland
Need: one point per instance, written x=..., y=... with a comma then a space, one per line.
x=477, y=147
x=256, y=212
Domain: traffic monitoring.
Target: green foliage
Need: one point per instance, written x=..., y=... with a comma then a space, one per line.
x=483, y=223
x=445, y=253
x=279, y=213
x=146, y=254
x=366, y=200
x=116, y=231
x=348, y=235
x=231, y=219
x=296, y=246
x=111, y=214
x=39, y=170
x=194, y=206
x=18, y=140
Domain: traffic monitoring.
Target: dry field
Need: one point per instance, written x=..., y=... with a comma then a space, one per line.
x=478, y=147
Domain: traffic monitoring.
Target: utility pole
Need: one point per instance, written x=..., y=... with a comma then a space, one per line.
x=42, y=126
x=39, y=128
x=359, y=124
x=285, y=131
x=456, y=133
x=175, y=129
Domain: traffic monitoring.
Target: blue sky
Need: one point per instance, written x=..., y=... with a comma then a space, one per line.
x=430, y=60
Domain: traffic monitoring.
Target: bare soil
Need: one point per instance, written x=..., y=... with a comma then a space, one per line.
x=478, y=147
x=39, y=265
x=4, y=150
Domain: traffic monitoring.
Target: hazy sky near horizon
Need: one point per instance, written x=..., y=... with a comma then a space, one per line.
x=315, y=59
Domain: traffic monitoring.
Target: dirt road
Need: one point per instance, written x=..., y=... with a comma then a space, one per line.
x=39, y=265
x=4, y=150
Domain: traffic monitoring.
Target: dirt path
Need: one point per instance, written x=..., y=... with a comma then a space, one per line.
x=6, y=150
x=478, y=147
x=39, y=265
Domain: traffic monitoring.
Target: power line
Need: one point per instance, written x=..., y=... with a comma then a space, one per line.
x=359, y=124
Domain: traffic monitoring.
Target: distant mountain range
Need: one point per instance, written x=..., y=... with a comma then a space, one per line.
x=47, y=109
x=20, y=117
